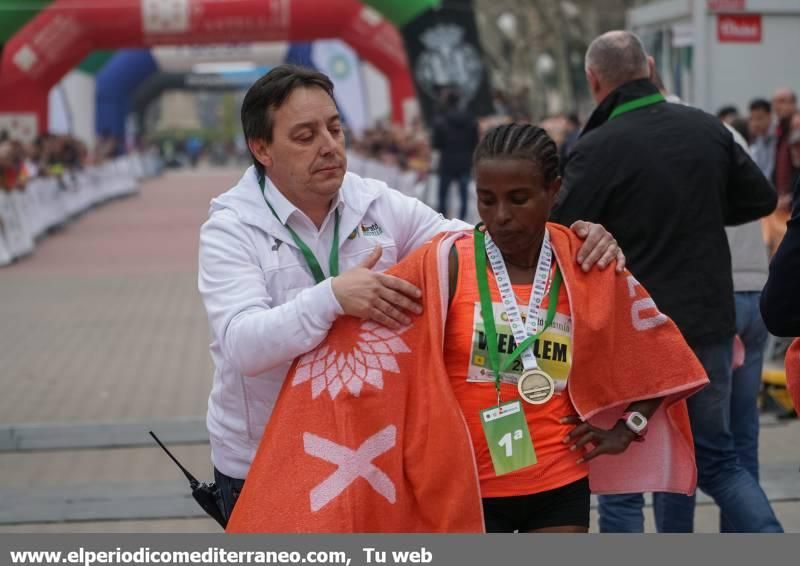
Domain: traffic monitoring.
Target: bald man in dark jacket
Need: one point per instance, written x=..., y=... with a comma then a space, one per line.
x=666, y=179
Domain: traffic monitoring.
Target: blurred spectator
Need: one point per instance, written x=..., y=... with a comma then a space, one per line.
x=501, y=106
x=794, y=151
x=48, y=155
x=784, y=104
x=107, y=147
x=761, y=130
x=728, y=114
x=12, y=165
x=194, y=147
x=740, y=126
x=750, y=267
x=571, y=136
x=395, y=145
x=6, y=163
x=455, y=135
x=780, y=301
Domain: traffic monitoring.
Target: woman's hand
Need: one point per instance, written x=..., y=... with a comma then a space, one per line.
x=614, y=441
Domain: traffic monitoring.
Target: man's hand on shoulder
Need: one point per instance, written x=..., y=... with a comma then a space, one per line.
x=599, y=247
x=383, y=298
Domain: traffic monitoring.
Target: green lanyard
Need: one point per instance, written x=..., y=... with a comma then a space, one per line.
x=487, y=312
x=311, y=260
x=648, y=100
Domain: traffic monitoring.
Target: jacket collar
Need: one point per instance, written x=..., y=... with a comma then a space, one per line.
x=284, y=208
x=622, y=94
x=247, y=202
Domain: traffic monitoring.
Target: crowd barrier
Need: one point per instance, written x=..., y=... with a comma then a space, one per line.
x=47, y=203
x=407, y=182
x=424, y=187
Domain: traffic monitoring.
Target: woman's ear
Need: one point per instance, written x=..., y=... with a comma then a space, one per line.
x=554, y=188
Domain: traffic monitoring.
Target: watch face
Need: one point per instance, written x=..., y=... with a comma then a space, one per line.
x=637, y=421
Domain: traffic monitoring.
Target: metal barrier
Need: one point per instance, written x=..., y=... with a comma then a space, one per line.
x=47, y=203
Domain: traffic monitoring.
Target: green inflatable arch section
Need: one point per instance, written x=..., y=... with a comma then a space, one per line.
x=16, y=13
x=401, y=12
x=95, y=61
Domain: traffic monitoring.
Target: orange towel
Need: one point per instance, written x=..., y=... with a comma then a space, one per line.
x=793, y=372
x=367, y=435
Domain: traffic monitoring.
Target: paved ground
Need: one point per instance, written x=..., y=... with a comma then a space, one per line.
x=104, y=337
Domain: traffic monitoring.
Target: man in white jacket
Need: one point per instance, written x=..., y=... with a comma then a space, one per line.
x=295, y=244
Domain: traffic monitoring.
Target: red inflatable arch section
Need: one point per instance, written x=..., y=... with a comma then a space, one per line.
x=61, y=35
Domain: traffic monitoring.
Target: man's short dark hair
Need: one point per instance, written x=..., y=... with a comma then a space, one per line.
x=269, y=93
x=740, y=125
x=726, y=111
x=761, y=104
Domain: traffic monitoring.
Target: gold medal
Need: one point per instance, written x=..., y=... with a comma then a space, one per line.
x=536, y=387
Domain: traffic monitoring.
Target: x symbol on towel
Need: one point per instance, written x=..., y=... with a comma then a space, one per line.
x=353, y=464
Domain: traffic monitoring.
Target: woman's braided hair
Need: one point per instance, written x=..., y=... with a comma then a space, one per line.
x=520, y=141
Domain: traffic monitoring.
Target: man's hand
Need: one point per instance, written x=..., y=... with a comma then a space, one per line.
x=599, y=247
x=376, y=296
x=614, y=441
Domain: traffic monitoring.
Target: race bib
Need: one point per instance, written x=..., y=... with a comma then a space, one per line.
x=553, y=350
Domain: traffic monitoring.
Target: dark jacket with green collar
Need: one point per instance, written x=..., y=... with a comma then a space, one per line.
x=665, y=179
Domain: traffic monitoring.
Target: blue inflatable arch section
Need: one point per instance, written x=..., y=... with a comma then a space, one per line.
x=115, y=84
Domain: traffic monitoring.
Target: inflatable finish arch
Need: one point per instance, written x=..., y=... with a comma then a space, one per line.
x=62, y=34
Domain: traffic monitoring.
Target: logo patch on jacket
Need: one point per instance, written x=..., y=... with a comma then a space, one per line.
x=371, y=230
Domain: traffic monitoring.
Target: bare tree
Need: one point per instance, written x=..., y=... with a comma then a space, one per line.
x=536, y=47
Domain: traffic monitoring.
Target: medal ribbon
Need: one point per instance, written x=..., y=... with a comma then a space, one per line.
x=311, y=259
x=525, y=335
x=648, y=100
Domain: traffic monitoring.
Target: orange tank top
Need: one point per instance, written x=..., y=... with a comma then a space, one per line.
x=467, y=362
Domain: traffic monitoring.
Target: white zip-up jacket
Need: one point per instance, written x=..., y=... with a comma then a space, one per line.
x=264, y=308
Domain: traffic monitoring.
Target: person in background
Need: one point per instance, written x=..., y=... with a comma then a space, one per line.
x=762, y=139
x=571, y=137
x=455, y=135
x=749, y=263
x=728, y=114
x=780, y=299
x=794, y=153
x=784, y=104
x=194, y=146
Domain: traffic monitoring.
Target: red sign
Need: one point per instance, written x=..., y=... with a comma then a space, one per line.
x=739, y=28
x=726, y=5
